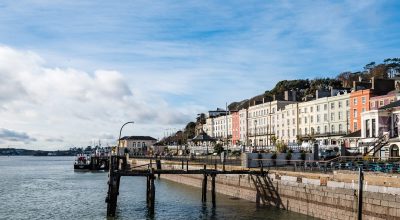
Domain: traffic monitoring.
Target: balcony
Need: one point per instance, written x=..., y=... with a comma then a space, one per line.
x=325, y=134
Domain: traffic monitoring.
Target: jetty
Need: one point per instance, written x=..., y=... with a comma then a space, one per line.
x=119, y=167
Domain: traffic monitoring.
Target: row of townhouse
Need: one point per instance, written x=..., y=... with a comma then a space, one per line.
x=326, y=119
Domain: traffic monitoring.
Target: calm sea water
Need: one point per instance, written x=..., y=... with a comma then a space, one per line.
x=49, y=188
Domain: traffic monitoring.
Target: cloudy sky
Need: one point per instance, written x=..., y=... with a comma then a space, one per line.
x=73, y=71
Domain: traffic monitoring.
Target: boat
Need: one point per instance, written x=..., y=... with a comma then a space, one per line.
x=82, y=162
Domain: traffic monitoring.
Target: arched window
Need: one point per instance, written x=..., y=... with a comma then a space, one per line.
x=332, y=128
x=340, y=128
x=134, y=144
x=318, y=130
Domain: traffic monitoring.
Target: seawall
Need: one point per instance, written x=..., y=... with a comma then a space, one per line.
x=325, y=196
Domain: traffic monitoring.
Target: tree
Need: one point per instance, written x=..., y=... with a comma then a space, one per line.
x=218, y=148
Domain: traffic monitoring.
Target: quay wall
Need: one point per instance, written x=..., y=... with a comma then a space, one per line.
x=325, y=196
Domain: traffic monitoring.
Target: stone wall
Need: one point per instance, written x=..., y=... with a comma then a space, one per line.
x=317, y=195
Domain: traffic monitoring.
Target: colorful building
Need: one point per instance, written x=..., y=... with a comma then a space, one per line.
x=359, y=103
x=235, y=128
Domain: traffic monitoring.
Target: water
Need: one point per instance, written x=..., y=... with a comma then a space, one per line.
x=49, y=188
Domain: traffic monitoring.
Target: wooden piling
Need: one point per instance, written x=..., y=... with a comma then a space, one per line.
x=112, y=195
x=150, y=193
x=213, y=189
x=204, y=186
x=187, y=165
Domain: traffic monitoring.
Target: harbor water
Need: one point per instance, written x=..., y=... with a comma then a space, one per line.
x=49, y=188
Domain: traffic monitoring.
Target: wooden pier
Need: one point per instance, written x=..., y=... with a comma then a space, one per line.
x=118, y=168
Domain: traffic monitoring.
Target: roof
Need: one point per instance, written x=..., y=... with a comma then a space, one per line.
x=202, y=137
x=356, y=134
x=139, y=138
x=391, y=105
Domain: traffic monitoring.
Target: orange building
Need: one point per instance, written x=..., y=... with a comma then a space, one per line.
x=359, y=102
x=235, y=127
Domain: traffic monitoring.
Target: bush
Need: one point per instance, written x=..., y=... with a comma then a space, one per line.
x=303, y=155
x=288, y=156
x=281, y=147
x=218, y=148
x=274, y=156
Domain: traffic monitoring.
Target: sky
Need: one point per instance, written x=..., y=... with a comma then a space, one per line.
x=72, y=72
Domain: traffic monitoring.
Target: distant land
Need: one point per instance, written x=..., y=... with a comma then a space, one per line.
x=25, y=152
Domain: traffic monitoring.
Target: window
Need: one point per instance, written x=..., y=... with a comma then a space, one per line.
x=294, y=132
x=332, y=105
x=305, y=131
x=311, y=109
x=380, y=103
x=325, y=107
x=340, y=104
x=340, y=128
x=355, y=113
x=363, y=100
x=317, y=108
x=340, y=116
x=363, y=109
x=305, y=120
x=332, y=116
x=312, y=119
x=347, y=103
x=333, y=129
x=318, y=118
x=355, y=126
x=372, y=104
x=318, y=130
x=326, y=128
x=355, y=101
x=325, y=117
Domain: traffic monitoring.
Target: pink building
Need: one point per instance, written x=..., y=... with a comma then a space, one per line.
x=235, y=128
x=379, y=101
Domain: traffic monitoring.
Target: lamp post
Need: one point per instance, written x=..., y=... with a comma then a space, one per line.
x=255, y=135
x=120, y=131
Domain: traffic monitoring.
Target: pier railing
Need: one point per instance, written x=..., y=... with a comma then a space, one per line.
x=210, y=159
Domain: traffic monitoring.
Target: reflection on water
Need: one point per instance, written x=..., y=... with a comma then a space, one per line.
x=49, y=188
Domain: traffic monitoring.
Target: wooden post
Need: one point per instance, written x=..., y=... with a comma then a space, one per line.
x=151, y=191
x=182, y=165
x=360, y=193
x=213, y=189
x=187, y=165
x=112, y=195
x=204, y=186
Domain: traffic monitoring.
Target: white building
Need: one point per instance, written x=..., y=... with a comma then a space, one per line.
x=137, y=145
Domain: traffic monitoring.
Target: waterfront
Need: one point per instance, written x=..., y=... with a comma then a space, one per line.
x=49, y=188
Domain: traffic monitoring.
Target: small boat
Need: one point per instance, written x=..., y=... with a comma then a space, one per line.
x=82, y=162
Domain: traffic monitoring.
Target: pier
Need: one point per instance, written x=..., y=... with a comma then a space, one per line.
x=119, y=168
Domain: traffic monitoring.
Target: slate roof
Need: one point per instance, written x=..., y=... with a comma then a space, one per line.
x=391, y=105
x=139, y=138
x=203, y=137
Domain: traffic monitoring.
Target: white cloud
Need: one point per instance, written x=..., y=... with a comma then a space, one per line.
x=77, y=105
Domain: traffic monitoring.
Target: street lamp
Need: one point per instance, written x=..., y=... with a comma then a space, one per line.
x=120, y=131
x=255, y=135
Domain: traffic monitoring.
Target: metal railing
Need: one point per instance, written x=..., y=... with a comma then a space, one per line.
x=350, y=163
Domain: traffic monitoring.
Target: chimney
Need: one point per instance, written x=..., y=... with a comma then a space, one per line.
x=373, y=82
x=286, y=95
x=294, y=98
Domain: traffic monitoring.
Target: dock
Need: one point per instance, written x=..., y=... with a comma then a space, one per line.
x=119, y=167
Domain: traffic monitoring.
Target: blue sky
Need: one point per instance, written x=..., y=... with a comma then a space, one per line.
x=168, y=60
